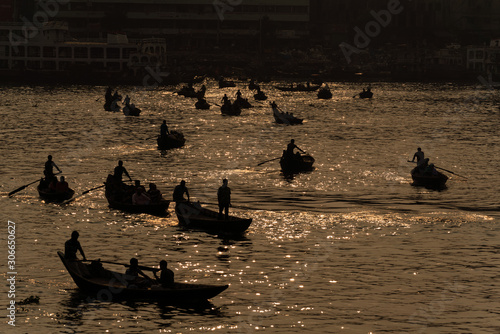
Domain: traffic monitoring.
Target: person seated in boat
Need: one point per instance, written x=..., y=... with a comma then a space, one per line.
x=154, y=194
x=119, y=171
x=62, y=186
x=72, y=246
x=164, y=129
x=166, y=278
x=53, y=184
x=419, y=155
x=49, y=169
x=420, y=169
x=179, y=192
x=430, y=170
x=140, y=197
x=224, y=199
x=134, y=275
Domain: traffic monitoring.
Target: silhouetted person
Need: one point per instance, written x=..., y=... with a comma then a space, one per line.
x=164, y=129
x=225, y=99
x=238, y=94
x=62, y=186
x=119, y=171
x=49, y=169
x=72, y=246
x=133, y=273
x=109, y=94
x=166, y=278
x=224, y=199
x=154, y=194
x=179, y=192
x=290, y=147
x=419, y=155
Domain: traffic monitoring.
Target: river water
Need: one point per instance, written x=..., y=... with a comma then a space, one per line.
x=350, y=247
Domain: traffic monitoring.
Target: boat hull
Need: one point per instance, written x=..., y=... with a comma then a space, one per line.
x=193, y=216
x=51, y=196
x=232, y=110
x=294, y=165
x=109, y=286
x=429, y=181
x=174, y=140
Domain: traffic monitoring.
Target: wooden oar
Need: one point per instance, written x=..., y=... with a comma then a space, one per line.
x=124, y=264
x=26, y=185
x=268, y=161
x=449, y=171
x=446, y=170
x=83, y=193
x=22, y=187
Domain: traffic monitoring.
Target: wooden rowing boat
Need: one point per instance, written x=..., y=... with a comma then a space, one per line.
x=437, y=181
x=125, y=204
x=296, y=163
x=109, y=286
x=285, y=118
x=174, y=140
x=53, y=196
x=192, y=215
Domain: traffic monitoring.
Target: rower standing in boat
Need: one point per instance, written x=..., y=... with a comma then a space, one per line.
x=166, y=278
x=72, y=246
x=164, y=129
x=224, y=199
x=419, y=155
x=118, y=172
x=179, y=191
x=290, y=147
x=49, y=169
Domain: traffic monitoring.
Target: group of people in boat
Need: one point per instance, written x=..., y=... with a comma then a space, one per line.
x=50, y=182
x=134, y=275
x=135, y=194
x=423, y=166
x=112, y=99
x=223, y=197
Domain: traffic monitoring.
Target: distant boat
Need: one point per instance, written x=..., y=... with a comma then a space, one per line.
x=260, y=96
x=230, y=109
x=93, y=279
x=131, y=110
x=174, y=140
x=298, y=88
x=366, y=94
x=192, y=215
x=243, y=103
x=284, y=118
x=202, y=104
x=325, y=93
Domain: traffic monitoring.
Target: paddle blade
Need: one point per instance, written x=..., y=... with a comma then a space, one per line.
x=17, y=190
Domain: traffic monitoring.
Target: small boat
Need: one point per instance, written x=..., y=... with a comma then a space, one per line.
x=433, y=181
x=174, y=140
x=54, y=196
x=298, y=88
x=131, y=110
x=187, y=92
x=296, y=163
x=253, y=86
x=192, y=215
x=230, y=109
x=224, y=83
x=325, y=93
x=260, y=96
x=366, y=94
x=243, y=103
x=285, y=118
x=202, y=104
x=109, y=285
x=125, y=204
